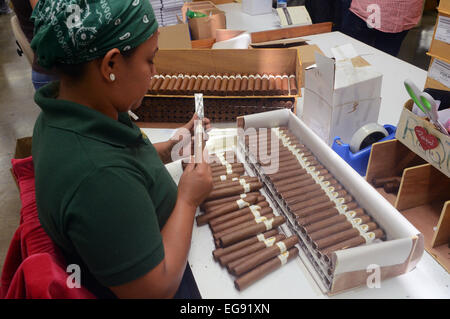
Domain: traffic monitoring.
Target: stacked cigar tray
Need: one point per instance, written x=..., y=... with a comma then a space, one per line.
x=226, y=101
x=396, y=249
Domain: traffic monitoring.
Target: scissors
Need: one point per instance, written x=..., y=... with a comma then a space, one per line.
x=426, y=103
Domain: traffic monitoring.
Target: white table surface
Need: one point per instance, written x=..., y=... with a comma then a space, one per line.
x=428, y=280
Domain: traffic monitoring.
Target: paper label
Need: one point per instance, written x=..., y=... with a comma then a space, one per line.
x=443, y=29
x=269, y=241
x=440, y=71
x=261, y=219
x=246, y=188
x=243, y=195
x=281, y=246
x=223, y=177
x=283, y=257
x=255, y=210
x=229, y=168
x=260, y=237
x=369, y=237
x=242, y=203
x=268, y=224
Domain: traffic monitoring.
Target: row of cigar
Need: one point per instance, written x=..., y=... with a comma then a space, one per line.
x=324, y=212
x=244, y=226
x=223, y=85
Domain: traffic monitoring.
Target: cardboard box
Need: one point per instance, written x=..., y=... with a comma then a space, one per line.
x=308, y=57
x=397, y=254
x=174, y=37
x=438, y=75
x=340, y=97
x=203, y=28
x=440, y=45
x=444, y=6
x=421, y=137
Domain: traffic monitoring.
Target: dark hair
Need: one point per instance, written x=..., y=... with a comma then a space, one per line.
x=76, y=71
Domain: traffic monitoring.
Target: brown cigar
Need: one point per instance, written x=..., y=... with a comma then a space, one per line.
x=238, y=213
x=306, y=196
x=260, y=198
x=265, y=255
x=217, y=85
x=226, y=200
x=242, y=234
x=153, y=80
x=218, y=173
x=317, y=217
x=158, y=83
x=262, y=270
x=305, y=211
x=230, y=85
x=210, y=86
x=223, y=167
x=258, y=85
x=336, y=228
x=191, y=83
x=391, y=187
x=164, y=84
x=244, y=85
x=333, y=239
x=225, y=177
x=265, y=85
x=223, y=85
x=184, y=84
x=251, y=85
x=242, y=201
x=177, y=85
x=255, y=221
x=171, y=84
x=204, y=83
x=235, y=183
x=197, y=84
x=231, y=207
x=226, y=192
x=292, y=85
x=278, y=86
x=240, y=220
x=239, y=245
x=380, y=181
x=271, y=89
x=228, y=258
x=295, y=192
x=332, y=220
x=279, y=176
x=237, y=86
x=285, y=84
x=299, y=184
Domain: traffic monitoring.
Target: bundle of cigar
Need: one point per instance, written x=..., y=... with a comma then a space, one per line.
x=181, y=109
x=390, y=184
x=324, y=213
x=244, y=226
x=223, y=84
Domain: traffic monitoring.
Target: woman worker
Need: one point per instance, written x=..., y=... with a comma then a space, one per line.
x=102, y=190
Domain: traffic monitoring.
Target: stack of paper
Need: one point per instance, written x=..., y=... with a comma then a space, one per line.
x=169, y=11
x=157, y=5
x=293, y=16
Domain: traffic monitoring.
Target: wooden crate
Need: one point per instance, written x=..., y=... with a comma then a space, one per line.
x=423, y=197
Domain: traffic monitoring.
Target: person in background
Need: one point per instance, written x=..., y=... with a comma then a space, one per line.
x=4, y=7
x=382, y=24
x=103, y=193
x=23, y=9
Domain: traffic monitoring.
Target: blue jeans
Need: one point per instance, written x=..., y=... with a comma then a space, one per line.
x=41, y=79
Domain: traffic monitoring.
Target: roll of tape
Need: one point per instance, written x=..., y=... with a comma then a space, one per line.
x=366, y=136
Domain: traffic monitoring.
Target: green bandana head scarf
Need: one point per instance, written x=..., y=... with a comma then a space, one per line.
x=78, y=31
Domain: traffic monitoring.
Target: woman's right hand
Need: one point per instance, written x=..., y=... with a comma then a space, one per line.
x=195, y=183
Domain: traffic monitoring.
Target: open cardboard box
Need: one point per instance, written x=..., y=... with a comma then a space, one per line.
x=205, y=27
x=404, y=244
x=423, y=197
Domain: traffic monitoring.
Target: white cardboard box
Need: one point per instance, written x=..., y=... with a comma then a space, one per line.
x=341, y=96
x=404, y=244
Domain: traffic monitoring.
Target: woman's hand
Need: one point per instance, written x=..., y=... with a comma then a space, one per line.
x=195, y=184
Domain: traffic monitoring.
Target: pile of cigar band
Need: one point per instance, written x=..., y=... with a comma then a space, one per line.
x=244, y=227
x=223, y=85
x=324, y=212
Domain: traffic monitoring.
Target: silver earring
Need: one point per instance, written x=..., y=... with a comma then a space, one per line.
x=112, y=77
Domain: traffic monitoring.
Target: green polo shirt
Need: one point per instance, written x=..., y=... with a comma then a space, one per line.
x=102, y=192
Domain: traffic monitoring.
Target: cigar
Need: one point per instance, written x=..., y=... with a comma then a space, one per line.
x=197, y=84
x=171, y=84
x=238, y=181
x=210, y=85
x=239, y=245
x=279, y=176
x=314, y=218
x=299, y=184
x=272, y=88
x=251, y=85
x=184, y=84
x=295, y=192
x=291, y=180
x=228, y=258
x=204, y=83
x=218, y=173
x=332, y=220
x=191, y=83
x=305, y=211
x=225, y=177
x=255, y=221
x=238, y=213
x=233, y=238
x=241, y=219
x=226, y=200
x=333, y=239
x=153, y=80
x=265, y=85
x=217, y=84
x=303, y=197
x=244, y=85
x=380, y=181
x=157, y=85
x=339, y=227
x=258, y=85
x=278, y=85
x=164, y=84
x=177, y=85
x=285, y=84
x=238, y=204
x=292, y=85
x=391, y=187
x=223, y=85
x=216, y=168
x=237, y=85
x=235, y=190
x=264, y=269
x=230, y=85
x=265, y=255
